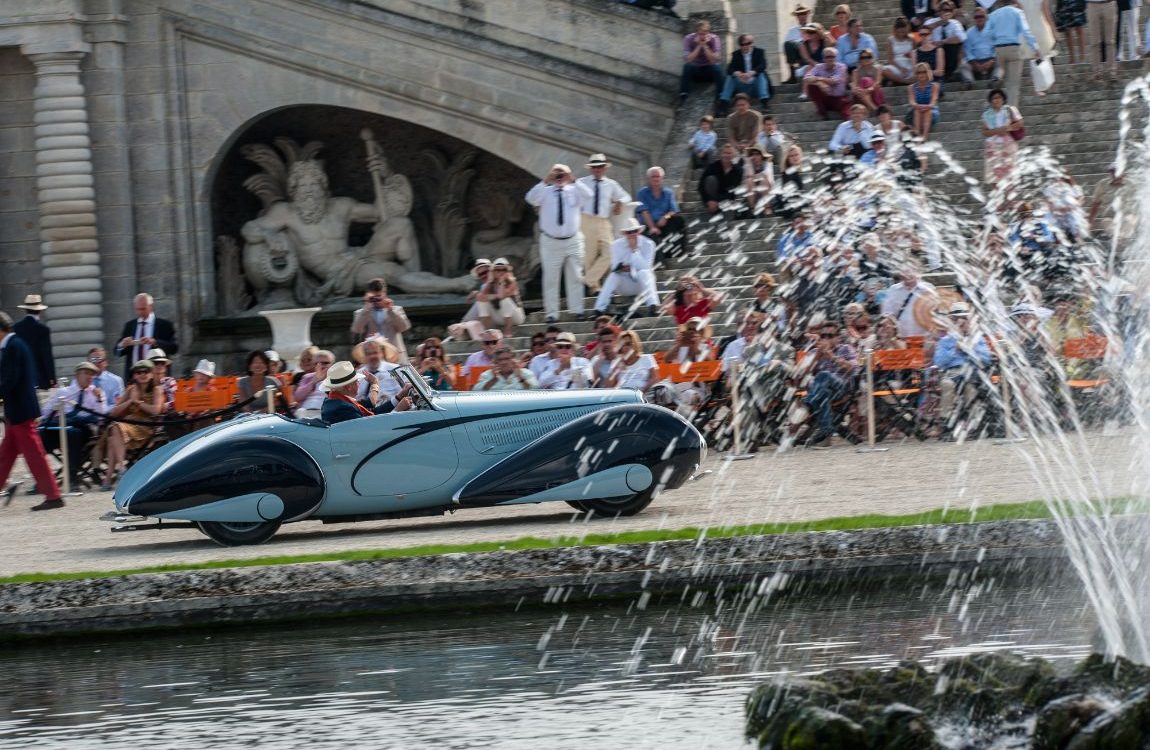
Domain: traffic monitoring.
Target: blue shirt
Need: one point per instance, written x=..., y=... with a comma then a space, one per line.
x=111, y=384
x=948, y=356
x=1007, y=25
x=977, y=45
x=703, y=140
x=846, y=135
x=658, y=207
x=790, y=243
x=849, y=55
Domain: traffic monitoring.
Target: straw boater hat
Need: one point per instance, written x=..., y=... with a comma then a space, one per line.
x=33, y=303
x=340, y=374
x=800, y=9
x=390, y=353
x=480, y=264
x=158, y=355
x=87, y=366
x=143, y=364
x=500, y=263
x=207, y=367
x=598, y=160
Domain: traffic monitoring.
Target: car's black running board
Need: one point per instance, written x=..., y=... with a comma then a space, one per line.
x=414, y=513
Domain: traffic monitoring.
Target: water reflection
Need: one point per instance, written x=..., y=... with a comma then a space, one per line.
x=672, y=675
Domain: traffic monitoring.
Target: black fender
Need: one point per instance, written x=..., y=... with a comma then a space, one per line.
x=204, y=472
x=642, y=434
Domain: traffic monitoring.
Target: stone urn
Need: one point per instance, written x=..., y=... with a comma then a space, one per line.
x=291, y=332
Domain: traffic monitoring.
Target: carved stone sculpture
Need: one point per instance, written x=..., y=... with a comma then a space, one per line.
x=304, y=227
x=499, y=213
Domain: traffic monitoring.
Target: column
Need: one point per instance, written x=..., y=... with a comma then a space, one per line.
x=70, y=258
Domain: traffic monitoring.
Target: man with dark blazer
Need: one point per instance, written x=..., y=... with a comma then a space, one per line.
x=21, y=411
x=747, y=73
x=38, y=337
x=341, y=405
x=144, y=333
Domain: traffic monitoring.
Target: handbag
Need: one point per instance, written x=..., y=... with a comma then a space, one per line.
x=1042, y=74
x=1018, y=133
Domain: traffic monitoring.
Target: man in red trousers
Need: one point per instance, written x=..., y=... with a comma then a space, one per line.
x=21, y=411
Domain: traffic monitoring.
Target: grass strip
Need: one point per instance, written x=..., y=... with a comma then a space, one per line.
x=1005, y=512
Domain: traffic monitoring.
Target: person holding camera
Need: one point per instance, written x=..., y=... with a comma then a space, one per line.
x=558, y=200
x=497, y=302
x=632, y=271
x=380, y=316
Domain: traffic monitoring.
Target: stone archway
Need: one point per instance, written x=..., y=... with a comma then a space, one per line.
x=466, y=202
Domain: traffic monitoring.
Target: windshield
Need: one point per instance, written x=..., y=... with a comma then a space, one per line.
x=408, y=376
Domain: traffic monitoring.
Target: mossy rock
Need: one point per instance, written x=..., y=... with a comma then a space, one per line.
x=1061, y=719
x=821, y=729
x=1126, y=727
x=901, y=727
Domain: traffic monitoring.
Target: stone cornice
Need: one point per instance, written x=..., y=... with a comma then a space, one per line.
x=349, y=74
x=501, y=45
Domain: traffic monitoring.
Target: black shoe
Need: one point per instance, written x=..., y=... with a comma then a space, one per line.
x=818, y=438
x=49, y=504
x=597, y=312
x=764, y=102
x=10, y=492
x=552, y=319
x=652, y=311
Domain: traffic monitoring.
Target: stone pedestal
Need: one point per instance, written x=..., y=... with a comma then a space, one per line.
x=291, y=332
x=69, y=250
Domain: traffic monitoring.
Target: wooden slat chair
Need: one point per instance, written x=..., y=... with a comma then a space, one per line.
x=1089, y=348
x=897, y=407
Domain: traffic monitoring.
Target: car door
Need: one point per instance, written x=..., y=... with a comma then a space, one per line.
x=394, y=454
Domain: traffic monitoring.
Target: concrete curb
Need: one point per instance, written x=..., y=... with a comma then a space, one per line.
x=559, y=575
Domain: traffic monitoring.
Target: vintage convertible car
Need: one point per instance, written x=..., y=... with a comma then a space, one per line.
x=602, y=451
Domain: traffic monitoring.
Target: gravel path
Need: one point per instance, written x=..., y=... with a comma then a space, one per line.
x=796, y=486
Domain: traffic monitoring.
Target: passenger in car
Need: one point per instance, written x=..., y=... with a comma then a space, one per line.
x=342, y=385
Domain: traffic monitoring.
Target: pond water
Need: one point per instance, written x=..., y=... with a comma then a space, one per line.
x=671, y=675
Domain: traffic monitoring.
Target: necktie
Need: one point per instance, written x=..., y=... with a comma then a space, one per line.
x=559, y=200
x=596, y=206
x=139, y=335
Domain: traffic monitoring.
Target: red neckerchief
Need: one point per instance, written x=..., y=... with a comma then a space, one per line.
x=343, y=397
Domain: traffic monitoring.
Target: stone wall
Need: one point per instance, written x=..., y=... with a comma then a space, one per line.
x=19, y=216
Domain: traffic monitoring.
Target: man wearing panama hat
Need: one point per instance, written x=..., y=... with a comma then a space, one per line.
x=793, y=39
x=607, y=198
x=38, y=337
x=632, y=264
x=341, y=405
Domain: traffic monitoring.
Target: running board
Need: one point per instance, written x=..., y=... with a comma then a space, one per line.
x=414, y=513
x=135, y=526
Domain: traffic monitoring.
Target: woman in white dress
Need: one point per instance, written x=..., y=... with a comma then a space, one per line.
x=899, y=68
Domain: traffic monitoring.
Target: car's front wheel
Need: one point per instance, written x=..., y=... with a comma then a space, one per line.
x=237, y=533
x=618, y=506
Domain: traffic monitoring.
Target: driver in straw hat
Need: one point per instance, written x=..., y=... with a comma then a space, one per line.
x=342, y=384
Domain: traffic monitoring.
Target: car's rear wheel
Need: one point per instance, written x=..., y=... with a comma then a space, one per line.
x=237, y=533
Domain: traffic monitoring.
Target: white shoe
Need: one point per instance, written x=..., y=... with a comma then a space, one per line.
x=804, y=98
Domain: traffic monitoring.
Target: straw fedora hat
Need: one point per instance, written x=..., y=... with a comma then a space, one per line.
x=33, y=303
x=340, y=374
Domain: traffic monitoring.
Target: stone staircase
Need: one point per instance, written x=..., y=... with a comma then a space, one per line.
x=1077, y=120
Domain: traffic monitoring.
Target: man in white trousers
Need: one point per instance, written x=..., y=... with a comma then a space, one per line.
x=607, y=199
x=558, y=199
x=632, y=271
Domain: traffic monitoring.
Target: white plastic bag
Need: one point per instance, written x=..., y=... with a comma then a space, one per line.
x=1042, y=73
